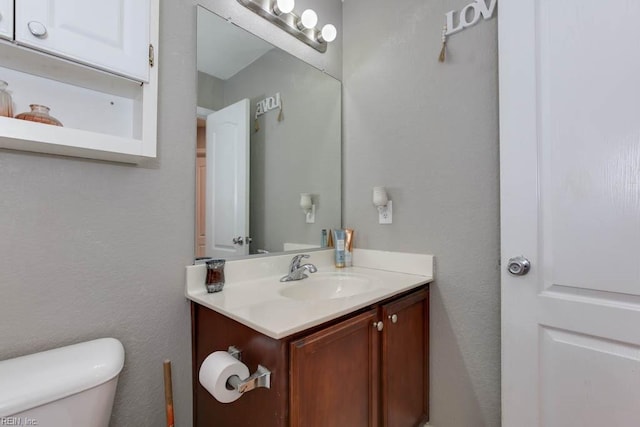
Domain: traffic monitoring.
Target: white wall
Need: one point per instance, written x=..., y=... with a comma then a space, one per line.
x=429, y=133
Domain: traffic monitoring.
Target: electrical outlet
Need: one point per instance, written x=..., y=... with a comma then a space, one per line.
x=311, y=215
x=385, y=214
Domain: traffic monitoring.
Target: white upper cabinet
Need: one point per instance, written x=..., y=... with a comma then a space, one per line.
x=111, y=35
x=6, y=19
x=87, y=60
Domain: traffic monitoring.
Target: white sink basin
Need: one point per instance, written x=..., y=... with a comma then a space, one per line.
x=324, y=286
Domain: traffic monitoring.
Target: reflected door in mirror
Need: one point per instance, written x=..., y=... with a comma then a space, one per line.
x=227, y=170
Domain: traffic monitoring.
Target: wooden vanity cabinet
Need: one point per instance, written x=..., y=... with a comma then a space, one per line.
x=405, y=361
x=262, y=407
x=334, y=375
x=367, y=369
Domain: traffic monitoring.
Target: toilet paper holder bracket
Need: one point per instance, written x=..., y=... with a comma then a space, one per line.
x=260, y=378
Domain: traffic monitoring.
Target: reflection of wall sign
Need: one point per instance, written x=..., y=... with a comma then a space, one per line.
x=267, y=104
x=469, y=15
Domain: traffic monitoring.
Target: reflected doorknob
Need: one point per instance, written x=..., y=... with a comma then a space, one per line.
x=518, y=266
x=238, y=240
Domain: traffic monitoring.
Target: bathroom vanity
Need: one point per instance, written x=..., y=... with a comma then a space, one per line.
x=345, y=347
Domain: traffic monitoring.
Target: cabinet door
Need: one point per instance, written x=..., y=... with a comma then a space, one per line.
x=6, y=19
x=405, y=361
x=334, y=375
x=110, y=35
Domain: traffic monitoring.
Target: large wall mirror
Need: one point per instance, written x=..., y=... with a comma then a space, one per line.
x=269, y=145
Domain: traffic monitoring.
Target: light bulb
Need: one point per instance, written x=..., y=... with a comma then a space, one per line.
x=328, y=33
x=283, y=6
x=308, y=19
x=305, y=202
x=380, y=197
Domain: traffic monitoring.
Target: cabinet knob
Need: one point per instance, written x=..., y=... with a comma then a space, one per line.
x=238, y=240
x=37, y=29
x=394, y=318
x=378, y=325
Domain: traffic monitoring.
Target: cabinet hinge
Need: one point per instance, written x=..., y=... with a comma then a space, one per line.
x=151, y=55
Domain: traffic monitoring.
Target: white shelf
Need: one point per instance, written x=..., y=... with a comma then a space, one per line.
x=40, y=138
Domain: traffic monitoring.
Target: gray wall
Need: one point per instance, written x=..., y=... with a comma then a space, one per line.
x=92, y=249
x=301, y=154
x=210, y=92
x=429, y=133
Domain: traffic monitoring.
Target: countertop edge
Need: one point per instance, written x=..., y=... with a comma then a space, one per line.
x=400, y=272
x=197, y=297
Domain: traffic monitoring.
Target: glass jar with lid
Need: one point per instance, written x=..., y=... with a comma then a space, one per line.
x=6, y=103
x=39, y=113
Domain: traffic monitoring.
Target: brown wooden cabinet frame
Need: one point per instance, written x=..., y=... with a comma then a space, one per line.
x=280, y=405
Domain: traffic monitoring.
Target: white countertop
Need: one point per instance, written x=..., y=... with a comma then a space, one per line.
x=251, y=294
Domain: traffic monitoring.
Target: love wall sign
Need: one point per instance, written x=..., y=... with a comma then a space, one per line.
x=467, y=17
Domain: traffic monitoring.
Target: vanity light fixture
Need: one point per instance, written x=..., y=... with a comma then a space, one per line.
x=308, y=207
x=384, y=205
x=303, y=27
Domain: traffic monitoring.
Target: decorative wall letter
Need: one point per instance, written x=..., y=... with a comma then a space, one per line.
x=468, y=16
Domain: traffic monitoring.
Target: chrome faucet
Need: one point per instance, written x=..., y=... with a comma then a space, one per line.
x=297, y=271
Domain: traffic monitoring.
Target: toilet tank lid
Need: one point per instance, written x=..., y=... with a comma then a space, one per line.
x=36, y=379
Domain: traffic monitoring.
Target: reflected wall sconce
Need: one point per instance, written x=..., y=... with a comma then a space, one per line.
x=384, y=205
x=308, y=207
x=303, y=27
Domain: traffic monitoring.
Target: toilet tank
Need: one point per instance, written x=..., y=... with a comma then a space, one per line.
x=67, y=386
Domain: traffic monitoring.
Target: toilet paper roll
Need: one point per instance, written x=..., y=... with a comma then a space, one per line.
x=216, y=370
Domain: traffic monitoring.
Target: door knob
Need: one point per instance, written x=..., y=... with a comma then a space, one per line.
x=248, y=240
x=37, y=29
x=238, y=240
x=518, y=266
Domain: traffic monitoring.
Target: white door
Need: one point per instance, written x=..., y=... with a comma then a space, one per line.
x=227, y=208
x=6, y=19
x=112, y=35
x=570, y=203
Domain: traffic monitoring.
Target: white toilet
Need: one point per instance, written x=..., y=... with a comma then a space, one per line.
x=71, y=386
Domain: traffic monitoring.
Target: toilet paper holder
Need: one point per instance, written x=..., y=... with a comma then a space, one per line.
x=260, y=378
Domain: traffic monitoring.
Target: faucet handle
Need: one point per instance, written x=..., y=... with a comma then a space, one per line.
x=295, y=261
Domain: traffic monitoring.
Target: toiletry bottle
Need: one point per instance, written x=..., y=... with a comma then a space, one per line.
x=329, y=238
x=323, y=238
x=338, y=238
x=348, y=247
